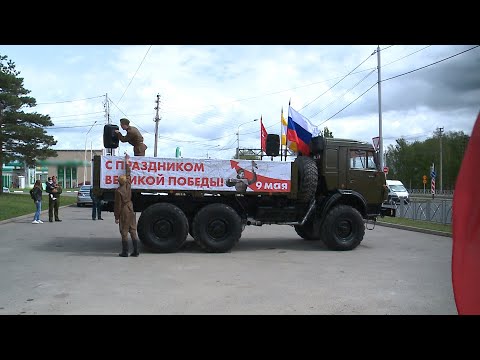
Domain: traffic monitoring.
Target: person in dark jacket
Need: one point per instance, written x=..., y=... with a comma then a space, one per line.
x=124, y=214
x=37, y=199
x=96, y=205
x=133, y=137
x=54, y=190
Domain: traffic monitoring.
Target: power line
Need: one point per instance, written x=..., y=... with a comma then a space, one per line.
x=385, y=48
x=71, y=127
x=121, y=97
x=354, y=86
x=406, y=56
x=337, y=82
x=348, y=105
x=145, y=131
x=62, y=116
x=436, y=62
x=68, y=101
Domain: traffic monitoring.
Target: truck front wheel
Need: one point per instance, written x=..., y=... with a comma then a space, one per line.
x=308, y=231
x=217, y=228
x=163, y=227
x=343, y=228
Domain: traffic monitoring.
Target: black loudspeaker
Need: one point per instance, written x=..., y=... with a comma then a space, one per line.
x=110, y=139
x=273, y=145
x=317, y=145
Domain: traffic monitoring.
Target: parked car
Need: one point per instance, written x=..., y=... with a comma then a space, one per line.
x=6, y=189
x=83, y=196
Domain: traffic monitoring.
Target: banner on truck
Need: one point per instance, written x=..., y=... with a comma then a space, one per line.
x=163, y=174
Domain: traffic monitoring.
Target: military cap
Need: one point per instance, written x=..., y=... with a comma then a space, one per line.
x=124, y=121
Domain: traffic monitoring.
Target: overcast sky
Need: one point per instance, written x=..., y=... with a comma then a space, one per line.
x=209, y=92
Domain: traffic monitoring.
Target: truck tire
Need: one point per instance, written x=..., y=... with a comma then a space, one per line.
x=343, y=228
x=162, y=227
x=190, y=227
x=217, y=228
x=307, y=178
x=307, y=231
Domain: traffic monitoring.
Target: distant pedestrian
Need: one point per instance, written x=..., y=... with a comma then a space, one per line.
x=54, y=190
x=96, y=205
x=124, y=214
x=36, y=194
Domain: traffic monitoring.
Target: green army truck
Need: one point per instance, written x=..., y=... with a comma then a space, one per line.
x=330, y=194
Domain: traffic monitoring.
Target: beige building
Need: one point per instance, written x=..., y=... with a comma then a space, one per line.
x=72, y=167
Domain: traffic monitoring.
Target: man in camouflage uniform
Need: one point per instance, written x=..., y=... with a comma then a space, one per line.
x=133, y=137
x=124, y=214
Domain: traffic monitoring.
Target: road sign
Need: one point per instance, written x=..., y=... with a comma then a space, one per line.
x=424, y=178
x=432, y=174
x=424, y=181
x=385, y=170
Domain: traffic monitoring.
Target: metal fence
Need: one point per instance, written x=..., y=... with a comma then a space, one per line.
x=434, y=210
x=427, y=191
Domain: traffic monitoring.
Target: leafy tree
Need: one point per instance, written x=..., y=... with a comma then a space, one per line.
x=408, y=162
x=22, y=135
x=326, y=132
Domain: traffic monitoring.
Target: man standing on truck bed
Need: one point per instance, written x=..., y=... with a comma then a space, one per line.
x=133, y=137
x=124, y=214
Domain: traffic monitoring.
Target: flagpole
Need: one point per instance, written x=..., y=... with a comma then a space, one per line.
x=261, y=137
x=281, y=135
x=286, y=140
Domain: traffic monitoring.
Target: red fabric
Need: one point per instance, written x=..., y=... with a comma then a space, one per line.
x=466, y=230
x=263, y=135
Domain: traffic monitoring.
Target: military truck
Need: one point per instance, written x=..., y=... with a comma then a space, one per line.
x=330, y=194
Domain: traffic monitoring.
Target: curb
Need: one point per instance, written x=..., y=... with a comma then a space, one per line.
x=411, y=228
x=22, y=217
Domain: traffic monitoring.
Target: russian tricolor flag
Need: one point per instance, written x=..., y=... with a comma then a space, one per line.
x=300, y=131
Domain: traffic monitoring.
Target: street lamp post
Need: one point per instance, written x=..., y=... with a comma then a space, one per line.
x=85, y=161
x=238, y=137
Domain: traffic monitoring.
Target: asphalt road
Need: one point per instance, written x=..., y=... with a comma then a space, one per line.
x=72, y=267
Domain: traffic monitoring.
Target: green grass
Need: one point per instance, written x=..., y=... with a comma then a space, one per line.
x=13, y=205
x=416, y=223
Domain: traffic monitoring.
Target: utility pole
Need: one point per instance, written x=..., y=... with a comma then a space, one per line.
x=107, y=116
x=157, y=119
x=380, y=110
x=440, y=131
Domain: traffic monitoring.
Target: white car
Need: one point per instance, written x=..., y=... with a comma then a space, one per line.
x=6, y=189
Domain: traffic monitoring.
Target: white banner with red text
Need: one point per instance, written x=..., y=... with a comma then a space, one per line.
x=150, y=173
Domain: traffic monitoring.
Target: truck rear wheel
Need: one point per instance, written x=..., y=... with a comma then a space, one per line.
x=343, y=228
x=217, y=228
x=307, y=178
x=163, y=227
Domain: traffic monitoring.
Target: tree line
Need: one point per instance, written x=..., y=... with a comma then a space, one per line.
x=410, y=161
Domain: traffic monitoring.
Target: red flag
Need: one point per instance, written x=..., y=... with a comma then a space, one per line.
x=466, y=230
x=263, y=136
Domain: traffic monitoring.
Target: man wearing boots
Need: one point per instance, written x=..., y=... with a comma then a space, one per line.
x=124, y=215
x=54, y=190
